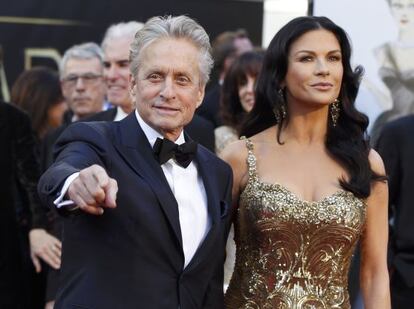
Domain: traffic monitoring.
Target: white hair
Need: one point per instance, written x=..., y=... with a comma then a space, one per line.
x=121, y=30
x=87, y=50
x=173, y=27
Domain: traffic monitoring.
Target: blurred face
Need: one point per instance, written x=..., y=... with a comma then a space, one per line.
x=83, y=86
x=116, y=72
x=403, y=12
x=167, y=88
x=243, y=45
x=315, y=70
x=55, y=114
x=246, y=93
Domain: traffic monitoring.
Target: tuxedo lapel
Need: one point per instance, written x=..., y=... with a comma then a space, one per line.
x=134, y=147
x=213, y=202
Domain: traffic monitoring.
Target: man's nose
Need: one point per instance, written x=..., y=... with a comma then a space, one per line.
x=167, y=91
x=111, y=72
x=80, y=84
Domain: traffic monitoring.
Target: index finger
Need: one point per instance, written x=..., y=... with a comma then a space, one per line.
x=101, y=176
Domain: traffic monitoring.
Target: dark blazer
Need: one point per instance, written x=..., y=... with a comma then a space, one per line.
x=18, y=162
x=132, y=256
x=46, y=153
x=396, y=147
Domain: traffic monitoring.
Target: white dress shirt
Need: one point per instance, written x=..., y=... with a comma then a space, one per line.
x=189, y=192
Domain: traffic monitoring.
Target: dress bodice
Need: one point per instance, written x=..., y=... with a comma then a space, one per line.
x=291, y=253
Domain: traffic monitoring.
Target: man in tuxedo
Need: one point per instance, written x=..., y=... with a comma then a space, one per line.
x=396, y=147
x=115, y=45
x=145, y=225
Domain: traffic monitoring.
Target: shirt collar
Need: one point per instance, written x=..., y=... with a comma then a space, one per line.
x=120, y=114
x=152, y=134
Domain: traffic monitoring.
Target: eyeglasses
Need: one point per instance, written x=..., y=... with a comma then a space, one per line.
x=88, y=79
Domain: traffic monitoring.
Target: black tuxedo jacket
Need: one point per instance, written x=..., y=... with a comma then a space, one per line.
x=132, y=256
x=396, y=147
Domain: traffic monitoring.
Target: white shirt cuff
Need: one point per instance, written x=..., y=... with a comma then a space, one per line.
x=60, y=202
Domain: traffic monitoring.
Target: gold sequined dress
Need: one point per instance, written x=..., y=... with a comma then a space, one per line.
x=291, y=253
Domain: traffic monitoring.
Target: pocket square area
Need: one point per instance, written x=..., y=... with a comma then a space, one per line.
x=224, y=208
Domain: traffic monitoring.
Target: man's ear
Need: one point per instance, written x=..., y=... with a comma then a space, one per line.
x=200, y=95
x=132, y=85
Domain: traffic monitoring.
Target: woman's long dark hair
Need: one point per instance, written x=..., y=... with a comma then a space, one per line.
x=347, y=141
x=36, y=91
x=231, y=110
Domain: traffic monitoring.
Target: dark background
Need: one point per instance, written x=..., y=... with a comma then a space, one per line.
x=94, y=16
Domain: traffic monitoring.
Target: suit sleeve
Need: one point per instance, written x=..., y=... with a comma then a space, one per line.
x=214, y=297
x=80, y=146
x=388, y=146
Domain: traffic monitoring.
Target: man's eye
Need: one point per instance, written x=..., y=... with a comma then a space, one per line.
x=154, y=76
x=106, y=65
x=71, y=78
x=123, y=63
x=183, y=79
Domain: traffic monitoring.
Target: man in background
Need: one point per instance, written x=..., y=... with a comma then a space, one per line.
x=396, y=147
x=84, y=89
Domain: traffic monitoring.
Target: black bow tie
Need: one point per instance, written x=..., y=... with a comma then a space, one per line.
x=183, y=154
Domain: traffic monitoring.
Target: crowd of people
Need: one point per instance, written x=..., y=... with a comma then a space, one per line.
x=158, y=193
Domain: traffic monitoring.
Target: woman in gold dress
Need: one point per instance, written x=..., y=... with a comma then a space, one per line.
x=307, y=186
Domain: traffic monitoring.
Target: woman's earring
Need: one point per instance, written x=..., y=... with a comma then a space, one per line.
x=335, y=111
x=281, y=112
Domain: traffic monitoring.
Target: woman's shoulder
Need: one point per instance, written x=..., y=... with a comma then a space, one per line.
x=235, y=151
x=376, y=162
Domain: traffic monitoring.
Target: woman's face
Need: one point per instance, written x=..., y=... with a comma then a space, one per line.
x=246, y=93
x=315, y=70
x=55, y=114
x=403, y=12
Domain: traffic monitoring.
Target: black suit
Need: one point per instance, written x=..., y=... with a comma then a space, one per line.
x=199, y=130
x=132, y=256
x=18, y=163
x=396, y=146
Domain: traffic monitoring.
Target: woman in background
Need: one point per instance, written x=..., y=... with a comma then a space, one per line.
x=37, y=91
x=237, y=97
x=307, y=186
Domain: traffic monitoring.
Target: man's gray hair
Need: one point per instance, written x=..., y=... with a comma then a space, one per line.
x=180, y=27
x=88, y=50
x=121, y=30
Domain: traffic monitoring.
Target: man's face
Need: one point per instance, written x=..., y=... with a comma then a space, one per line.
x=116, y=72
x=167, y=87
x=242, y=45
x=83, y=86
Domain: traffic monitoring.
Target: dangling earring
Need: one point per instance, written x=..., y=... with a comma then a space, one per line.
x=335, y=111
x=280, y=113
